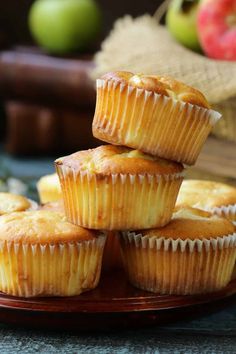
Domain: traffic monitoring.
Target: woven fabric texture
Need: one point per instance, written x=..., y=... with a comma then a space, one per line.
x=142, y=45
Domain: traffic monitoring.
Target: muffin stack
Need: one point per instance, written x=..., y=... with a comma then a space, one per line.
x=114, y=187
x=157, y=124
x=124, y=195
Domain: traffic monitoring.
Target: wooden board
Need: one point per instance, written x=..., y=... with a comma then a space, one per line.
x=217, y=161
x=113, y=304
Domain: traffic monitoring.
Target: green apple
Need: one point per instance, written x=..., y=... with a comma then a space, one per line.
x=181, y=20
x=62, y=26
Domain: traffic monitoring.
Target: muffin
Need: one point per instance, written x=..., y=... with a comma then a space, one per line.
x=13, y=202
x=116, y=188
x=49, y=188
x=195, y=253
x=41, y=254
x=112, y=253
x=155, y=114
x=216, y=197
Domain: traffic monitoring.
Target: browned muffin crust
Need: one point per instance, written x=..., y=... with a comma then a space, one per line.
x=43, y=227
x=119, y=76
x=161, y=84
x=206, y=194
x=191, y=223
x=13, y=202
x=109, y=159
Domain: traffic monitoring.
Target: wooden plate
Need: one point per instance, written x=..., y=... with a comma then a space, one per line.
x=114, y=303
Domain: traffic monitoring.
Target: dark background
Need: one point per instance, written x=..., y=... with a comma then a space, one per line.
x=13, y=16
x=14, y=26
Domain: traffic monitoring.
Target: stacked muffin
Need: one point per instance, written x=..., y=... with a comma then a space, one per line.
x=156, y=124
x=116, y=187
x=42, y=254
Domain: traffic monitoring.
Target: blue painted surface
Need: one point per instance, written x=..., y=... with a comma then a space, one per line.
x=26, y=167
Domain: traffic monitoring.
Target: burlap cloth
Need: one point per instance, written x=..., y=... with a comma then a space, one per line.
x=142, y=45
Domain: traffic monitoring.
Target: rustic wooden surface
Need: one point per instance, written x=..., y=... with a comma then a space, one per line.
x=37, y=129
x=218, y=157
x=27, y=74
x=49, y=101
x=217, y=161
x=121, y=305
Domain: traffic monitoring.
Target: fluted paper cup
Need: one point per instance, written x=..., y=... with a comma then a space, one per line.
x=150, y=122
x=228, y=211
x=118, y=201
x=65, y=269
x=169, y=266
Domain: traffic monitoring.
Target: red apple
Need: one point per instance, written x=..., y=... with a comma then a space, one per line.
x=216, y=24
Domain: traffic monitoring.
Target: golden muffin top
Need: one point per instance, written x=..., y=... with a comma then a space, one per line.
x=161, y=84
x=205, y=194
x=110, y=159
x=54, y=206
x=13, y=202
x=41, y=226
x=191, y=223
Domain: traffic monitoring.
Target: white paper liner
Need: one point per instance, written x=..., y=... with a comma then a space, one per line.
x=118, y=201
x=170, y=266
x=169, y=244
x=153, y=123
x=64, y=269
x=229, y=211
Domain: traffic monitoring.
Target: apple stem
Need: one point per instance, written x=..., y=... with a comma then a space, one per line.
x=161, y=10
